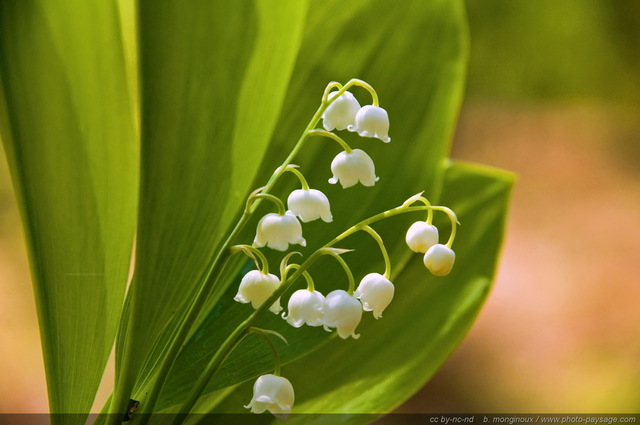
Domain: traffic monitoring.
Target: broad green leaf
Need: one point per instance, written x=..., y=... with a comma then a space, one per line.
x=428, y=318
x=427, y=41
x=68, y=133
x=212, y=79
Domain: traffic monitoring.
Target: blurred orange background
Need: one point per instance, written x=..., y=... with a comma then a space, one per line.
x=553, y=95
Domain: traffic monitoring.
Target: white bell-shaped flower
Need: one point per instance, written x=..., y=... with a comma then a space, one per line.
x=372, y=121
x=421, y=236
x=439, y=259
x=256, y=287
x=375, y=292
x=272, y=393
x=305, y=307
x=349, y=168
x=343, y=312
x=278, y=231
x=341, y=113
x=309, y=205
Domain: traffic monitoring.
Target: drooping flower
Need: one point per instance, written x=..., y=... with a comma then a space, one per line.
x=439, y=259
x=309, y=205
x=256, y=287
x=375, y=292
x=272, y=393
x=343, y=312
x=278, y=231
x=372, y=121
x=342, y=111
x=421, y=236
x=305, y=307
x=349, y=168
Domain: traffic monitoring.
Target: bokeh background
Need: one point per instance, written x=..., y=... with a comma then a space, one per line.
x=553, y=95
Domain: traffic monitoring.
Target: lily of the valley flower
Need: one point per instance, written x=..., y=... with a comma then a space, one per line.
x=256, y=287
x=278, y=231
x=375, y=292
x=343, y=312
x=349, y=168
x=439, y=259
x=309, y=205
x=421, y=236
x=342, y=111
x=272, y=393
x=372, y=121
x=305, y=307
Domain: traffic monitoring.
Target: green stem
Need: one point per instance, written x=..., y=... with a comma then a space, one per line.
x=364, y=85
x=330, y=135
x=265, y=334
x=255, y=254
x=281, y=208
x=383, y=249
x=310, y=285
x=454, y=223
x=298, y=174
x=345, y=266
x=327, y=91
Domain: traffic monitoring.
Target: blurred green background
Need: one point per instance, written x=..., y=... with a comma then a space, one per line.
x=553, y=95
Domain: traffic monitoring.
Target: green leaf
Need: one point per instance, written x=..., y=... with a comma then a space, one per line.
x=422, y=95
x=69, y=136
x=427, y=319
x=213, y=78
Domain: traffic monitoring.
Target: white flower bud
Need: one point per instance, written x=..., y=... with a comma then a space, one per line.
x=305, y=307
x=278, y=231
x=256, y=287
x=309, y=205
x=421, y=236
x=375, y=292
x=272, y=393
x=343, y=312
x=372, y=121
x=353, y=167
x=439, y=259
x=341, y=113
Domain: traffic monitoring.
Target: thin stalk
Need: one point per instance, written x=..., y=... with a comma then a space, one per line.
x=345, y=266
x=255, y=254
x=383, y=249
x=298, y=174
x=310, y=285
x=330, y=135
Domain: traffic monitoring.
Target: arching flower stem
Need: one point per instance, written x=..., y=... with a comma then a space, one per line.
x=383, y=249
x=325, y=96
x=330, y=135
x=281, y=208
x=255, y=254
x=265, y=334
x=366, y=86
x=341, y=89
x=336, y=254
x=294, y=169
x=310, y=285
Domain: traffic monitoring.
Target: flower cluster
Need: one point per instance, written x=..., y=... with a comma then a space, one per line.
x=340, y=309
